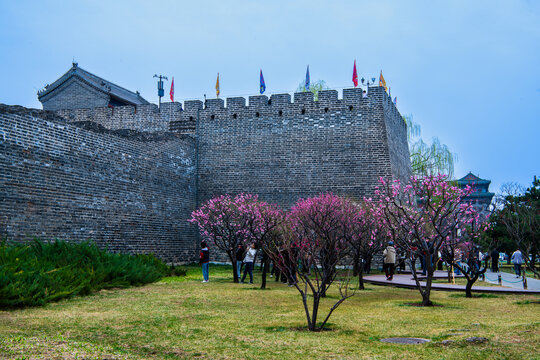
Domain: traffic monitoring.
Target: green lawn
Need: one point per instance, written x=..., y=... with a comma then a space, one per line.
x=183, y=318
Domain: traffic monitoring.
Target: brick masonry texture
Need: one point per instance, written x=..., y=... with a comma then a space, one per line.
x=140, y=117
x=128, y=178
x=128, y=191
x=283, y=150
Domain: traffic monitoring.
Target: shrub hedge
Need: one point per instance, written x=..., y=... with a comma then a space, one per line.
x=36, y=273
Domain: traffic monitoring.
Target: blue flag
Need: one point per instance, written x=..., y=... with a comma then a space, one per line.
x=307, y=79
x=262, y=84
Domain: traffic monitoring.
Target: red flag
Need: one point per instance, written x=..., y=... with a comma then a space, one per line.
x=172, y=90
x=355, y=75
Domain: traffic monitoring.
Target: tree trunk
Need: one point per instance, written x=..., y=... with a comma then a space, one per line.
x=266, y=266
x=468, y=288
x=426, y=293
x=426, y=301
x=306, y=309
x=314, y=312
x=234, y=267
x=361, y=280
x=356, y=265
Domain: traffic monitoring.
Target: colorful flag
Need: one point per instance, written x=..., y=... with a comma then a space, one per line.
x=217, y=85
x=171, y=93
x=262, y=84
x=307, y=79
x=355, y=75
x=382, y=82
x=395, y=100
x=390, y=92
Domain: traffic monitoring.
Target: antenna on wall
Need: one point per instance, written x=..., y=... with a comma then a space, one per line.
x=160, y=90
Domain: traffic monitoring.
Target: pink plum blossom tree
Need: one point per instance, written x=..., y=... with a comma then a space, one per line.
x=462, y=251
x=225, y=222
x=311, y=247
x=421, y=217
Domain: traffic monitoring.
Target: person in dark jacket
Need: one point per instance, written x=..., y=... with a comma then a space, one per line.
x=204, y=260
x=239, y=259
x=494, y=260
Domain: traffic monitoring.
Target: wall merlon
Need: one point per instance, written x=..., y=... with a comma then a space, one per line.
x=171, y=106
x=193, y=105
x=353, y=96
x=258, y=101
x=328, y=98
x=280, y=100
x=303, y=99
x=214, y=104
x=236, y=102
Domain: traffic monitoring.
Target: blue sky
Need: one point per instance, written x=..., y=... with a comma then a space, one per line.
x=468, y=71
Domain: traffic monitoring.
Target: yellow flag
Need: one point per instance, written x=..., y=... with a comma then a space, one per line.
x=382, y=82
x=217, y=85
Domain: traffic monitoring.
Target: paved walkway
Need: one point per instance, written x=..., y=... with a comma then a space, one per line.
x=510, y=280
x=407, y=281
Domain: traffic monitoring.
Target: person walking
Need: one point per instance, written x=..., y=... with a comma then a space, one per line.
x=239, y=260
x=204, y=260
x=389, y=255
x=249, y=260
x=517, y=260
x=494, y=260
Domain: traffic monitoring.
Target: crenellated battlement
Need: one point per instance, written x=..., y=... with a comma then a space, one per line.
x=178, y=118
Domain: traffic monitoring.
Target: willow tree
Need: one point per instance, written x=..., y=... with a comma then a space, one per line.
x=314, y=87
x=428, y=158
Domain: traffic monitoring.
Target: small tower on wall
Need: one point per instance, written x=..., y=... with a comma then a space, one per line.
x=480, y=198
x=80, y=89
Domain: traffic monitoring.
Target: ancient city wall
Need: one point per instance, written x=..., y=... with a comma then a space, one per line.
x=128, y=177
x=128, y=191
x=283, y=150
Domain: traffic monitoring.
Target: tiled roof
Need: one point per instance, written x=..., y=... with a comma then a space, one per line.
x=470, y=178
x=96, y=82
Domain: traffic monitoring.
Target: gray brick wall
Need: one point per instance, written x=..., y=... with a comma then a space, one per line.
x=67, y=176
x=140, y=117
x=285, y=150
x=74, y=94
x=127, y=191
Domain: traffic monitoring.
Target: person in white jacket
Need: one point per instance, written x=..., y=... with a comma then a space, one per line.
x=389, y=261
x=249, y=260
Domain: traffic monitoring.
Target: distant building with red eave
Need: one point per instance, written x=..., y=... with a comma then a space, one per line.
x=480, y=198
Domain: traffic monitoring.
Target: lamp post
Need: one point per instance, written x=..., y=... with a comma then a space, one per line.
x=161, y=92
x=367, y=83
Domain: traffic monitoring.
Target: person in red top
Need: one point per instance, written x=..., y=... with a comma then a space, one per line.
x=204, y=260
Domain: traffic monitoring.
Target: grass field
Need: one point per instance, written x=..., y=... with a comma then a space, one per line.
x=183, y=318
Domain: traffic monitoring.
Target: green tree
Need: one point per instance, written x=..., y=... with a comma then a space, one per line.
x=428, y=158
x=314, y=87
x=518, y=216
